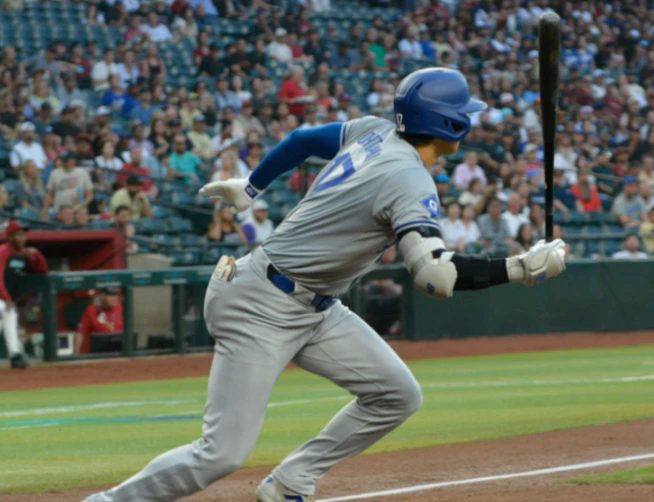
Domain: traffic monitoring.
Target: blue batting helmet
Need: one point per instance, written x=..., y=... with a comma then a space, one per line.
x=435, y=102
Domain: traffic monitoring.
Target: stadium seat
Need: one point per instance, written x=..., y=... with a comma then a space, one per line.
x=179, y=225
x=150, y=226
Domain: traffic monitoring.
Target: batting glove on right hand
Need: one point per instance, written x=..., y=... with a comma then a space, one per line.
x=543, y=261
x=236, y=191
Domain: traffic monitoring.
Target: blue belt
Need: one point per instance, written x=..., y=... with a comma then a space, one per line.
x=285, y=284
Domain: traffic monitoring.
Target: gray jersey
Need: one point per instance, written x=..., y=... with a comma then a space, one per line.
x=375, y=187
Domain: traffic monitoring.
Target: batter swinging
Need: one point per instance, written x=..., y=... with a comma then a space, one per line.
x=279, y=304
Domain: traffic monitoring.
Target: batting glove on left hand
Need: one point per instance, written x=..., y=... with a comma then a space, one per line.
x=543, y=261
x=237, y=191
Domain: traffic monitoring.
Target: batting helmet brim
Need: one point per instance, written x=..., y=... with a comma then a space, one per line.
x=474, y=105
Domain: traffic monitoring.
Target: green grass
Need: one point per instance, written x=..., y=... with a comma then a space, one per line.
x=100, y=436
x=644, y=476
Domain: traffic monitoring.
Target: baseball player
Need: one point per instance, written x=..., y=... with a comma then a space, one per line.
x=15, y=258
x=279, y=303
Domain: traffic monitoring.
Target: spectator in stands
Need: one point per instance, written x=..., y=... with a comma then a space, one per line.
x=43, y=118
x=131, y=99
x=104, y=317
x=128, y=69
x=586, y=193
x=212, y=65
x=278, y=49
x=254, y=155
x=225, y=167
x=137, y=168
x=523, y=240
x=646, y=174
x=103, y=70
x=493, y=227
x=183, y=164
x=45, y=61
x=15, y=259
x=258, y=227
x=513, y=215
x=81, y=217
x=452, y=228
x=631, y=250
x=142, y=112
x=107, y=160
x=629, y=207
x=68, y=92
x=201, y=141
x=68, y=186
x=27, y=148
x=66, y=216
x=52, y=146
x=537, y=221
x=247, y=121
x=646, y=194
x=185, y=23
x=224, y=228
x=293, y=93
x=114, y=97
x=468, y=170
x=132, y=196
x=409, y=46
x=67, y=126
x=473, y=195
x=647, y=232
x=470, y=231
x=152, y=67
x=155, y=31
x=564, y=198
x=126, y=229
x=160, y=139
x=226, y=98
x=29, y=192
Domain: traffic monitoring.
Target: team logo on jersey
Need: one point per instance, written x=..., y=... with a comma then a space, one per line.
x=432, y=205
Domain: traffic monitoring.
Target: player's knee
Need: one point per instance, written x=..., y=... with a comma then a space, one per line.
x=410, y=397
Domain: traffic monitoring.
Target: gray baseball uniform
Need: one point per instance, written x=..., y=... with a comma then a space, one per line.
x=375, y=186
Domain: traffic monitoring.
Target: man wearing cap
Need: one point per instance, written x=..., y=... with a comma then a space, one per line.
x=200, y=140
x=66, y=125
x=258, y=227
x=114, y=97
x=629, y=207
x=68, y=186
x=15, y=259
x=132, y=196
x=212, y=65
x=224, y=97
x=69, y=91
x=136, y=167
x=247, y=121
x=104, y=317
x=27, y=148
x=278, y=49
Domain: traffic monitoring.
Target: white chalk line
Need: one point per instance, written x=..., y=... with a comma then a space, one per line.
x=453, y=385
x=500, y=477
x=31, y=426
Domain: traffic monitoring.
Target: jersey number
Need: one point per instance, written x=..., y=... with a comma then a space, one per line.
x=324, y=183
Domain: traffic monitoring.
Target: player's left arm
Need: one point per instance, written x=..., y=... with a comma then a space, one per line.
x=322, y=141
x=409, y=202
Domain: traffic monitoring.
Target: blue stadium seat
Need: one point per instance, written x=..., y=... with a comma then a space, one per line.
x=160, y=212
x=164, y=240
x=611, y=246
x=570, y=230
x=190, y=239
x=179, y=225
x=100, y=224
x=150, y=226
x=10, y=185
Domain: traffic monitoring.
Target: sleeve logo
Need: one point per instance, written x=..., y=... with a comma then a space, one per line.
x=432, y=205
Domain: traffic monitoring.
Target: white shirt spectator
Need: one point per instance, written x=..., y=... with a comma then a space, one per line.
x=317, y=5
x=102, y=71
x=209, y=7
x=453, y=232
x=159, y=33
x=22, y=152
x=279, y=51
x=127, y=75
x=260, y=231
x=115, y=164
x=411, y=48
x=513, y=222
x=627, y=255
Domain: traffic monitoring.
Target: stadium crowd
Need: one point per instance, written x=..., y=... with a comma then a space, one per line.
x=171, y=94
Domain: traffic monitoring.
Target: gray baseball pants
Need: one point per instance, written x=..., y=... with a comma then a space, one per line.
x=259, y=330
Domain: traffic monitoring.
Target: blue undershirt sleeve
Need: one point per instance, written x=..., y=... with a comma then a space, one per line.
x=322, y=141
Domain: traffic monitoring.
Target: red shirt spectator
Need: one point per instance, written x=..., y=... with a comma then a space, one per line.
x=291, y=89
x=135, y=168
x=104, y=318
x=586, y=193
x=15, y=259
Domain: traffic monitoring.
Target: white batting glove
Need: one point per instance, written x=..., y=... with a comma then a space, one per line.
x=236, y=191
x=543, y=261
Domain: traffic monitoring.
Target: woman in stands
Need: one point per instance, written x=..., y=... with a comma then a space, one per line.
x=158, y=138
x=29, y=192
x=202, y=49
x=224, y=228
x=523, y=241
x=152, y=66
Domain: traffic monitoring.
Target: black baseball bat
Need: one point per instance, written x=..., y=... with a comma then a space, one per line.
x=549, y=55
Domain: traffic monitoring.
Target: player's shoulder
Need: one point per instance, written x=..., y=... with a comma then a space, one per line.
x=353, y=130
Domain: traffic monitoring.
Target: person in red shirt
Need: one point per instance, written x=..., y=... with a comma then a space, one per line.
x=107, y=317
x=136, y=168
x=292, y=92
x=15, y=259
x=586, y=193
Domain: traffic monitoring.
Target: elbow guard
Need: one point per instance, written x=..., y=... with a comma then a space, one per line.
x=433, y=276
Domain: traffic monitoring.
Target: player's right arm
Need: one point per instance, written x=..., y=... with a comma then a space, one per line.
x=409, y=202
x=321, y=141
